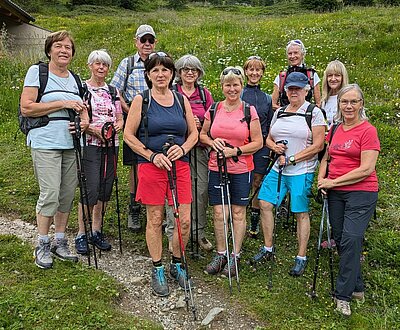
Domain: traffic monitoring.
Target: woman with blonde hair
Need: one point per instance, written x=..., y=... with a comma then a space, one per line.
x=335, y=77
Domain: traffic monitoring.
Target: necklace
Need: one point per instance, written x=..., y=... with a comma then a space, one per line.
x=230, y=108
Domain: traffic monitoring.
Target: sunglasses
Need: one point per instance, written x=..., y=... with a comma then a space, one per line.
x=159, y=54
x=144, y=39
x=254, y=57
x=296, y=41
x=233, y=70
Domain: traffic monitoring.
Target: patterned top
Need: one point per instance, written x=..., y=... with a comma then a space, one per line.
x=135, y=84
x=103, y=111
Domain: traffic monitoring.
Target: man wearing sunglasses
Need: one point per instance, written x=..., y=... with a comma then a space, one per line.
x=129, y=80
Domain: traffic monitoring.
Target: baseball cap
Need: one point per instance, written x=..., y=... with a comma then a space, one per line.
x=296, y=79
x=143, y=30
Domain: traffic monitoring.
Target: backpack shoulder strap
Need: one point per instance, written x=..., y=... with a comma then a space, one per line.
x=247, y=116
x=129, y=69
x=113, y=93
x=281, y=111
x=202, y=96
x=308, y=114
x=282, y=80
x=174, y=87
x=146, y=99
x=181, y=101
x=81, y=88
x=334, y=128
x=43, y=78
x=212, y=112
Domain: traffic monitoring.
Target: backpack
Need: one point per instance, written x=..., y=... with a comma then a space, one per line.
x=88, y=98
x=146, y=95
x=246, y=118
x=308, y=118
x=309, y=72
x=28, y=123
x=201, y=93
x=129, y=69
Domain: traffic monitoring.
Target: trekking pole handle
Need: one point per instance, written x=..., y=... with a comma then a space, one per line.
x=108, y=131
x=77, y=125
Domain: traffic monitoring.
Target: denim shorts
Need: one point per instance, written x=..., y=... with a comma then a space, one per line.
x=239, y=188
x=299, y=187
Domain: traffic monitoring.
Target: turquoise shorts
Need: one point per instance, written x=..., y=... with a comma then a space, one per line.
x=299, y=187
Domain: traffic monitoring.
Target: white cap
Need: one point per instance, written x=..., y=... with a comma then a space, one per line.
x=143, y=30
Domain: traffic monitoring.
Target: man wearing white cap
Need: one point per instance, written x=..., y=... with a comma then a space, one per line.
x=129, y=80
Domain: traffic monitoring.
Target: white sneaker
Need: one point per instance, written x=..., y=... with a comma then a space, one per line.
x=343, y=307
x=43, y=258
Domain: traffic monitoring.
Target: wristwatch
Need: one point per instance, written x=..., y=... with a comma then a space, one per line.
x=239, y=152
x=292, y=160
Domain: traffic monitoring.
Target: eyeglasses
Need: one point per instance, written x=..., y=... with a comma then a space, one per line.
x=186, y=70
x=159, y=54
x=351, y=102
x=254, y=57
x=233, y=70
x=144, y=39
x=296, y=41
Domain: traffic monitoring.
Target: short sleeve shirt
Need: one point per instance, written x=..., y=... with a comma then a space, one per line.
x=231, y=127
x=55, y=135
x=295, y=130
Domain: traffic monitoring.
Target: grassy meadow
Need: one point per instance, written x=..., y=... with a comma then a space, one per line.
x=366, y=40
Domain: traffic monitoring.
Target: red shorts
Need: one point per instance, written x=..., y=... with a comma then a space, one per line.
x=153, y=184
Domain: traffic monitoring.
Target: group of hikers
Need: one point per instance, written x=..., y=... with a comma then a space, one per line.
x=186, y=152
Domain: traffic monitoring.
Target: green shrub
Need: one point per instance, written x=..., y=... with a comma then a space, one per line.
x=321, y=5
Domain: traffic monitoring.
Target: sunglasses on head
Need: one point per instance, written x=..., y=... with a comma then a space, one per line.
x=159, y=54
x=233, y=70
x=296, y=41
x=254, y=57
x=150, y=39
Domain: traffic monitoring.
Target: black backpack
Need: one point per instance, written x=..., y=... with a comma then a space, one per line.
x=309, y=72
x=28, y=123
x=308, y=118
x=246, y=118
x=146, y=95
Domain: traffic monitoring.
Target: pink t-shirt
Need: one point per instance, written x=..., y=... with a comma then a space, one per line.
x=345, y=152
x=233, y=129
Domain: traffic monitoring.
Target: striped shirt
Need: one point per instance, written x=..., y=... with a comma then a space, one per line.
x=135, y=83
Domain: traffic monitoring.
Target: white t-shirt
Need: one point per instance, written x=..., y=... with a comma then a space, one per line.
x=295, y=130
x=330, y=108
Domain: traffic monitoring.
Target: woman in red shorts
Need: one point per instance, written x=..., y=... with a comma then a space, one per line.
x=165, y=123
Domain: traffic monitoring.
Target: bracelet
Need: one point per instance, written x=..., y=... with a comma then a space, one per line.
x=183, y=150
x=153, y=155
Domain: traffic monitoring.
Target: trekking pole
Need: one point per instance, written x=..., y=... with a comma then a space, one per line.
x=222, y=183
x=83, y=192
x=228, y=198
x=196, y=204
x=324, y=219
x=172, y=185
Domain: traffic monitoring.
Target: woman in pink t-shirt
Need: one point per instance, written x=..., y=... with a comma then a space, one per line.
x=352, y=187
x=231, y=135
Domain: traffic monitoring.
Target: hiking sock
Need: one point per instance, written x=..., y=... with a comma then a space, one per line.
x=59, y=235
x=222, y=253
x=44, y=238
x=157, y=263
x=301, y=258
x=268, y=248
x=176, y=260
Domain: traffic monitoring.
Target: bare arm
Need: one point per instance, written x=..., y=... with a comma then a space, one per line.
x=275, y=98
x=30, y=108
x=367, y=166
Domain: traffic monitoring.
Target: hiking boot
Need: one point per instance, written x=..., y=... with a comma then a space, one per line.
x=359, y=297
x=343, y=307
x=61, y=250
x=133, y=218
x=159, y=282
x=262, y=256
x=298, y=268
x=254, y=225
x=99, y=241
x=81, y=246
x=178, y=273
x=205, y=244
x=216, y=265
x=232, y=267
x=43, y=258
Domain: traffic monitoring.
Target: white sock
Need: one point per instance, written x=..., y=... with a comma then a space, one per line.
x=301, y=258
x=44, y=238
x=268, y=248
x=59, y=235
x=223, y=253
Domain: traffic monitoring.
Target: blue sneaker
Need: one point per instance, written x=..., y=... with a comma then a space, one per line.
x=262, y=256
x=81, y=244
x=298, y=268
x=159, y=282
x=178, y=273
